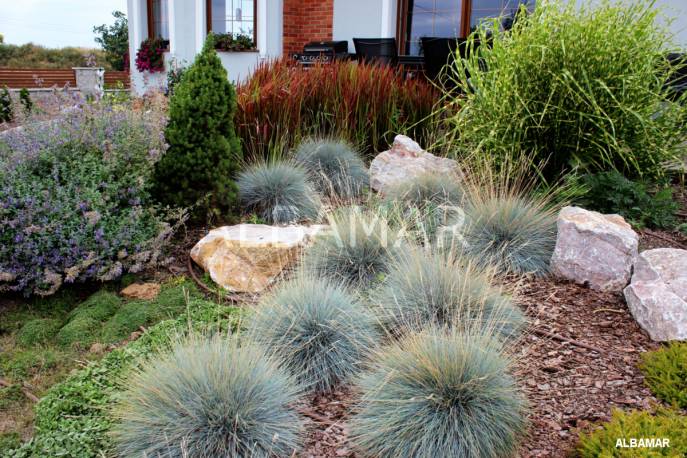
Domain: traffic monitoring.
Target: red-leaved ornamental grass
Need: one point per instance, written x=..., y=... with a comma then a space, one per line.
x=150, y=56
x=366, y=104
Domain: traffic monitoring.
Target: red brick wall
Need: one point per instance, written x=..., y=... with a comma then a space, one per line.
x=305, y=21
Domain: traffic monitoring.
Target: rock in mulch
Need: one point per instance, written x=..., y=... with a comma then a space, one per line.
x=657, y=296
x=142, y=291
x=594, y=249
x=406, y=160
x=248, y=257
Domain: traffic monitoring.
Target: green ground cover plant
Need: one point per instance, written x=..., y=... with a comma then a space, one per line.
x=73, y=417
x=209, y=397
x=665, y=373
x=577, y=85
x=611, y=192
x=668, y=424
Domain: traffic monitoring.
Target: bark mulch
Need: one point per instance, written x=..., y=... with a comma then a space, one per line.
x=570, y=387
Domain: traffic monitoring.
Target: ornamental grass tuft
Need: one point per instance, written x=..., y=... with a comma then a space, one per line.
x=357, y=250
x=439, y=393
x=318, y=328
x=209, y=397
x=278, y=192
x=432, y=288
x=334, y=166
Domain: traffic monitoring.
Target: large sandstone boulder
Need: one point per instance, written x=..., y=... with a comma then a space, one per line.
x=594, y=249
x=248, y=257
x=657, y=296
x=406, y=160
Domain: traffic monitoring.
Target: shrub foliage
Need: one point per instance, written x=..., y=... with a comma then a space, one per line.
x=665, y=373
x=318, y=328
x=209, y=398
x=203, y=150
x=75, y=201
x=625, y=426
x=439, y=394
x=576, y=85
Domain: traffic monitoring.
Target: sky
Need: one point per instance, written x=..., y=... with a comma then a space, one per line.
x=55, y=23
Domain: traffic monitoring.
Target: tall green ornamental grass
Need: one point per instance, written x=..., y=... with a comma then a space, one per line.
x=575, y=86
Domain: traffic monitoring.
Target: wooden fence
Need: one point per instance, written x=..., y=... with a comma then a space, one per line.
x=32, y=78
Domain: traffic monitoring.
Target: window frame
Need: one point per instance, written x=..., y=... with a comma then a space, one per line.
x=151, y=20
x=208, y=19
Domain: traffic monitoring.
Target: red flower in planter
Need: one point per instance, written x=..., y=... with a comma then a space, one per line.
x=150, y=56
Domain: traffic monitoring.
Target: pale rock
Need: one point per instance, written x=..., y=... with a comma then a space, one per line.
x=248, y=257
x=657, y=296
x=406, y=160
x=142, y=291
x=594, y=249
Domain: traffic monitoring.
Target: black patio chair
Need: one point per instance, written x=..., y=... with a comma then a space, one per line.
x=677, y=83
x=379, y=50
x=438, y=53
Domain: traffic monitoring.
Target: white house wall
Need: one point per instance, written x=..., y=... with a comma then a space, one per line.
x=187, y=32
x=364, y=19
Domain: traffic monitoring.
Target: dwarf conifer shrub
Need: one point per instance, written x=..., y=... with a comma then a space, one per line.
x=439, y=394
x=209, y=397
x=25, y=100
x=578, y=84
x=278, y=192
x=6, y=113
x=357, y=250
x=424, y=289
x=334, y=166
x=665, y=373
x=318, y=328
x=204, y=151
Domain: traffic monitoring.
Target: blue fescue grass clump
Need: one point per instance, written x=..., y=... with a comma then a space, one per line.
x=334, y=166
x=318, y=328
x=209, y=397
x=439, y=394
x=424, y=203
x=278, y=193
x=426, y=189
x=357, y=250
x=427, y=288
x=515, y=233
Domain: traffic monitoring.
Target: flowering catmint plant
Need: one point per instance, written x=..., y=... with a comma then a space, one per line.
x=74, y=201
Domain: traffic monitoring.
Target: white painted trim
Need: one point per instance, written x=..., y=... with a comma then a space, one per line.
x=386, y=20
x=172, y=24
x=262, y=28
x=201, y=24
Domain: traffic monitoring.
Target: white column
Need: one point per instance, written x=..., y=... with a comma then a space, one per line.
x=201, y=24
x=138, y=31
x=262, y=27
x=172, y=24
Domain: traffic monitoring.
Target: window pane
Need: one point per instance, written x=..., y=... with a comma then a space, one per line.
x=486, y=10
x=160, y=19
x=233, y=16
x=431, y=18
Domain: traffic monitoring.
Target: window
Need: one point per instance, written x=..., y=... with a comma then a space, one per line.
x=447, y=18
x=158, y=19
x=236, y=17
